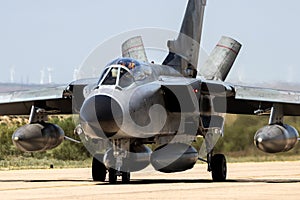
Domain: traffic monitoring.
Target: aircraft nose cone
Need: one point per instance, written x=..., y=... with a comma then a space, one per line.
x=102, y=115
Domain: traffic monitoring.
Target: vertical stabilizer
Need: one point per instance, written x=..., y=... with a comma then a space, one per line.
x=220, y=61
x=184, y=51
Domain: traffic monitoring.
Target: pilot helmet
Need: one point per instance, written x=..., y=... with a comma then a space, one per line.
x=122, y=62
x=127, y=63
x=131, y=65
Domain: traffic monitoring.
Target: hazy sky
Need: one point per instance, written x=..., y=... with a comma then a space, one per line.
x=60, y=34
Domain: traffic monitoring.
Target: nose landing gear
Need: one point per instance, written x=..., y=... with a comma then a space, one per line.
x=113, y=176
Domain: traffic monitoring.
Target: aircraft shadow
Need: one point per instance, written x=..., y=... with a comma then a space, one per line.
x=195, y=181
x=267, y=181
x=43, y=181
x=160, y=181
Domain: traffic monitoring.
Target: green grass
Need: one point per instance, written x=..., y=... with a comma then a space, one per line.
x=17, y=163
x=261, y=158
x=266, y=158
x=14, y=163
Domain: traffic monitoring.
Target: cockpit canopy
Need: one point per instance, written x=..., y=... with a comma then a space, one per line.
x=120, y=72
x=123, y=72
x=126, y=62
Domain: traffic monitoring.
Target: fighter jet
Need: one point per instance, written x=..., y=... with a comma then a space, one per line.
x=139, y=113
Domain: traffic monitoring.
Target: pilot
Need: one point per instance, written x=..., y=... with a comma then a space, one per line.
x=131, y=65
x=127, y=63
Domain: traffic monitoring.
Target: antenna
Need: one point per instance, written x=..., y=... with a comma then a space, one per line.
x=50, y=70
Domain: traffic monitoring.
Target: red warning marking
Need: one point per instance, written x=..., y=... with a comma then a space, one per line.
x=219, y=45
x=133, y=47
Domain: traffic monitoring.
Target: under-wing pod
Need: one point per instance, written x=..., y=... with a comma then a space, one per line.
x=38, y=137
x=175, y=157
x=276, y=138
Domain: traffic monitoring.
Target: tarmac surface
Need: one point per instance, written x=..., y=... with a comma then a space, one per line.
x=272, y=180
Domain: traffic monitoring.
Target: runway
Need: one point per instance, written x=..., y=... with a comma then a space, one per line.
x=279, y=180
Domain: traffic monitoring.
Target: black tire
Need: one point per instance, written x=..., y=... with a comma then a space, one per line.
x=125, y=177
x=98, y=168
x=219, y=168
x=112, y=176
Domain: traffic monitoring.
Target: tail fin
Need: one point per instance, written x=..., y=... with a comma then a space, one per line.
x=184, y=51
x=220, y=61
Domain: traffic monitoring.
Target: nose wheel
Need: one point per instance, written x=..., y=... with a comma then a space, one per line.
x=125, y=177
x=113, y=176
x=98, y=168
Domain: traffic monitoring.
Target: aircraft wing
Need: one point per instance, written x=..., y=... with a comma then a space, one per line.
x=256, y=100
x=237, y=99
x=66, y=99
x=54, y=99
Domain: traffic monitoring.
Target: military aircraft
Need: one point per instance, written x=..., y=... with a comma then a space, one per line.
x=135, y=104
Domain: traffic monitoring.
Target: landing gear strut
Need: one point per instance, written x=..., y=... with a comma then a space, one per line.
x=118, y=154
x=216, y=163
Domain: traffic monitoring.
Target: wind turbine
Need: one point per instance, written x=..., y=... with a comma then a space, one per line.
x=42, y=76
x=12, y=74
x=50, y=70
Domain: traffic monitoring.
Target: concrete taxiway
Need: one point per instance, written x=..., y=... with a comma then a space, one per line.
x=272, y=180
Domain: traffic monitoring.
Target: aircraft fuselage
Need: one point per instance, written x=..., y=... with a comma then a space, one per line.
x=141, y=102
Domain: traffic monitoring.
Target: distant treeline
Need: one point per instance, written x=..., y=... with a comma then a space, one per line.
x=238, y=139
x=240, y=131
